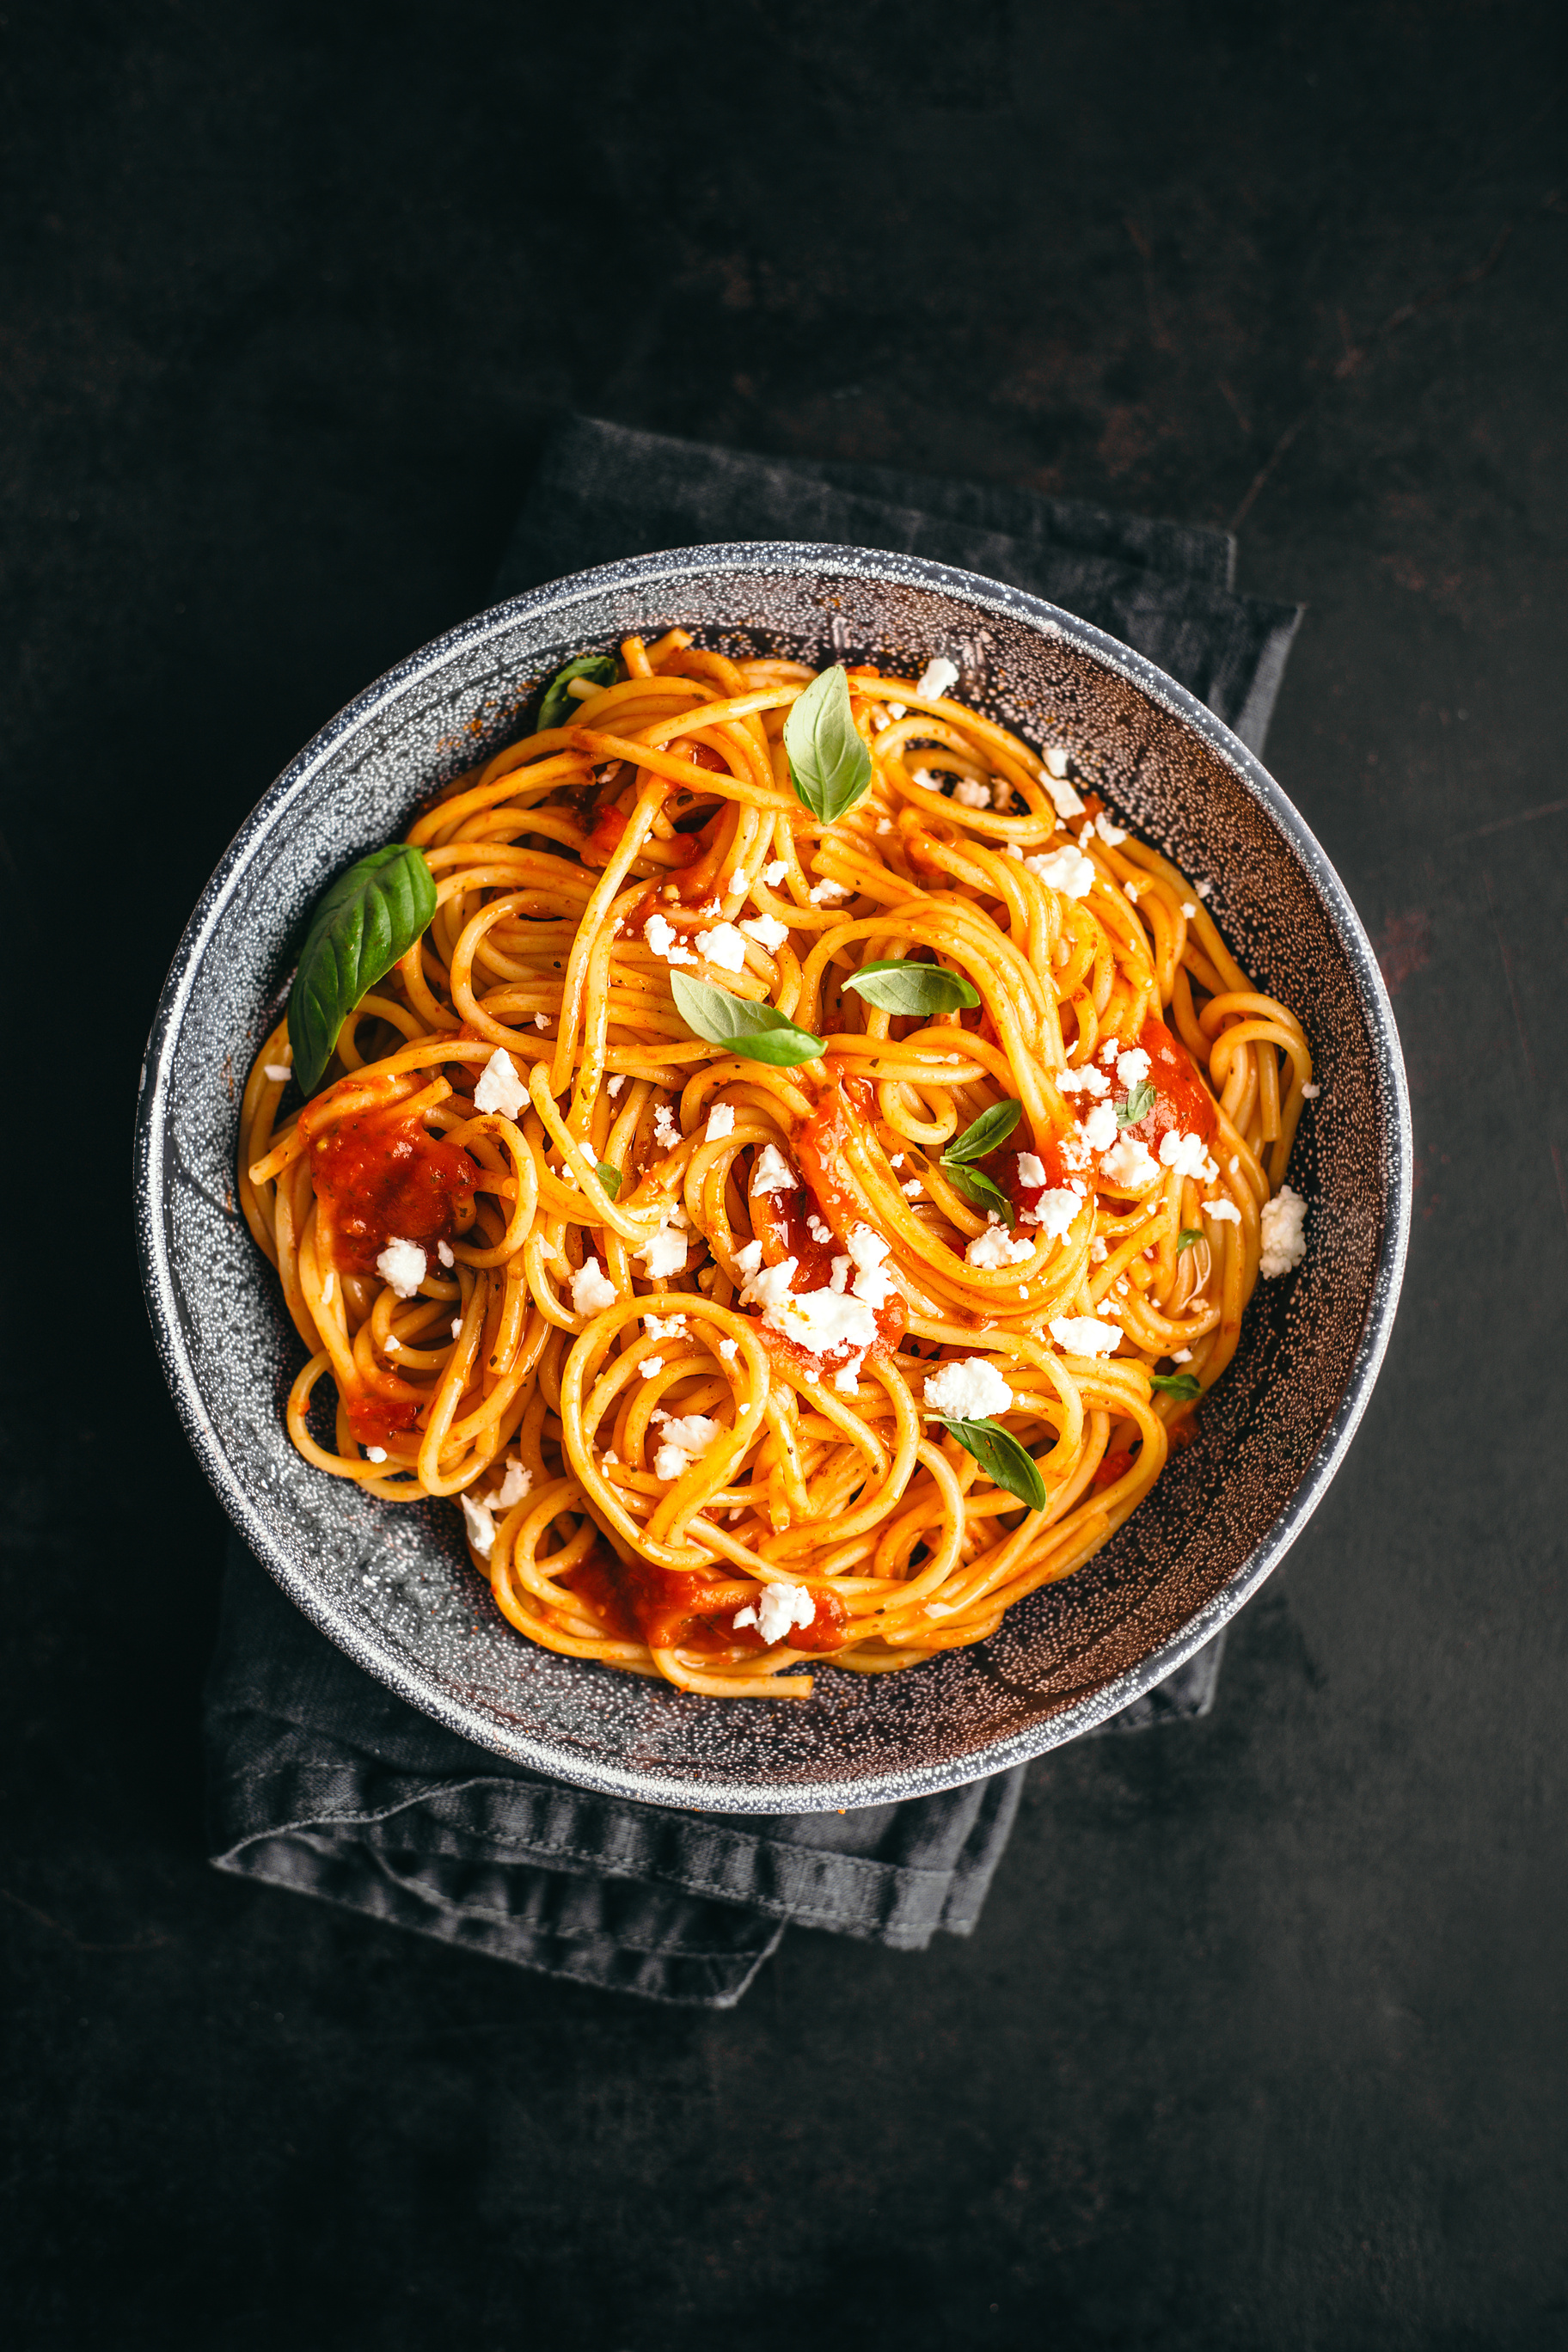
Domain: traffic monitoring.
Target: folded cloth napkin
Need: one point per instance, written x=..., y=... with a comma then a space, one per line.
x=321, y=1781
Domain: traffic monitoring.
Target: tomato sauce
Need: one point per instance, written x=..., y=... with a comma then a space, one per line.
x=669, y=1609
x=374, y=1419
x=1183, y=1104
x=380, y=1178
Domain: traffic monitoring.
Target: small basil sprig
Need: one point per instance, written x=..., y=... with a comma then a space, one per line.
x=610, y=1178
x=979, y=1190
x=1176, y=1385
x=1005, y=1461
x=368, y=920
x=1187, y=1236
x=983, y=1135
x=556, y=709
x=828, y=762
x=899, y=987
x=758, y=1033
x=1138, y=1105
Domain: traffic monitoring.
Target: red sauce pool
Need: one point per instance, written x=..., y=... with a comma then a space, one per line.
x=1181, y=1102
x=668, y=1609
x=380, y=1178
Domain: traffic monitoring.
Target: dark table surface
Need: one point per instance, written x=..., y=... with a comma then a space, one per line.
x=1261, y=2039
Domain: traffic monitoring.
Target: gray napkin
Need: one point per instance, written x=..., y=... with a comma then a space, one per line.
x=321, y=1781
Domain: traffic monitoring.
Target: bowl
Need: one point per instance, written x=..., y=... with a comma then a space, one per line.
x=392, y=1585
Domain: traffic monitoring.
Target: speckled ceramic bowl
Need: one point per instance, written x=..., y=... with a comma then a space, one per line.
x=393, y=1585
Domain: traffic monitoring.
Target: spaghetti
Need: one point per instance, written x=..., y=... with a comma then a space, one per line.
x=726, y=1359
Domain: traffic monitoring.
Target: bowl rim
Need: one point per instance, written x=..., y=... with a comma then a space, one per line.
x=672, y=1788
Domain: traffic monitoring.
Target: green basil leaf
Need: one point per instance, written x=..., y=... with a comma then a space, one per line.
x=558, y=706
x=1187, y=1236
x=370, y=916
x=828, y=762
x=979, y=1190
x=1007, y=1464
x=758, y=1033
x=1138, y=1105
x=899, y=987
x=993, y=1126
x=1176, y=1385
x=610, y=1178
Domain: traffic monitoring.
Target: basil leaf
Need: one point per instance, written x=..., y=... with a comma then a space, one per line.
x=993, y=1126
x=1138, y=1105
x=899, y=987
x=1187, y=1236
x=979, y=1190
x=371, y=916
x=558, y=706
x=1007, y=1462
x=758, y=1033
x=1176, y=1385
x=610, y=1178
x=828, y=762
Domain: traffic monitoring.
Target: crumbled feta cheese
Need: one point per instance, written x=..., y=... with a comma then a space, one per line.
x=824, y=1320
x=403, y=1266
x=1185, y=1154
x=768, y=1286
x=724, y=946
x=939, y=678
x=660, y=937
x=971, y=1388
x=613, y=1085
x=375, y=1453
x=1283, y=1227
x=775, y=874
x=995, y=1249
x=542, y=1020
x=728, y=1349
x=664, y=1253
x=896, y=1159
x=1067, y=870
x=872, y=1281
x=749, y=1257
x=884, y=824
x=767, y=931
x=1112, y=834
x=1099, y=1128
x=912, y=1189
x=1310, y=1093
x=1086, y=1334
x=1132, y=1066
x=1011, y=849
x=592, y=1290
x=499, y=1088
x=278, y=1072
x=720, y=1123
x=651, y=1365
x=1132, y=889
x=779, y=1609
x=1203, y=888
x=444, y=1251
x=1031, y=1169
x=1226, y=1212
x=1188, y=909
x=664, y=1131
x=517, y=1483
x=1086, y=1081
x=847, y=1379
x=969, y=794
x=1108, y=1051
x=1181, y=1355
x=665, y=1326
x=1056, y=759
x=826, y=893
x=669, y=1462
x=1128, y=1166
x=772, y=1172
x=712, y=908
x=1098, y=1252
x=815, y=1228
x=838, y=1273
x=457, y=1327
x=1054, y=1212
x=481, y=1527
x=684, y=1439
x=897, y=709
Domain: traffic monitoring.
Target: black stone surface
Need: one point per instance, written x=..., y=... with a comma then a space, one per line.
x=1261, y=2040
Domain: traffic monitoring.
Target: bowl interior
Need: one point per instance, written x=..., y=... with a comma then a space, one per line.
x=393, y=1585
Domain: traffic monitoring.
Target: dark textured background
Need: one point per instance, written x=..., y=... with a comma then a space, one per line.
x=1261, y=2040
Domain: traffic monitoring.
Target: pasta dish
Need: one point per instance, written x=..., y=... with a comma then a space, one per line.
x=775, y=1153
